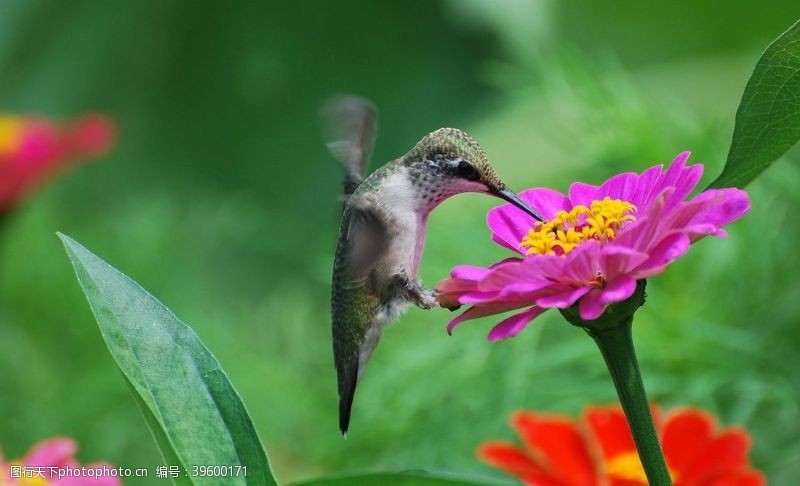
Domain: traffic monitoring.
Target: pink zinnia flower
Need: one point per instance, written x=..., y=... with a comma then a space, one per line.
x=33, y=148
x=37, y=467
x=597, y=243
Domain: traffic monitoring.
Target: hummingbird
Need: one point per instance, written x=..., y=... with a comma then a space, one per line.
x=382, y=232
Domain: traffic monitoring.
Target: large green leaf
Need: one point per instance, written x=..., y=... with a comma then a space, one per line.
x=168, y=452
x=190, y=405
x=405, y=478
x=768, y=118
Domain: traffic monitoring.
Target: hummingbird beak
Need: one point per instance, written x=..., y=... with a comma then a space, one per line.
x=505, y=193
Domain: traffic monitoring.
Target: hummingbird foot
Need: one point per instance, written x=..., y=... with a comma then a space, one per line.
x=414, y=292
x=426, y=299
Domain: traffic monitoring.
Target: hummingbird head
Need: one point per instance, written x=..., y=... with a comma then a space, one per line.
x=448, y=162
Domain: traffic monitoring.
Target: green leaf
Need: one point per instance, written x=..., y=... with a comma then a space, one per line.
x=168, y=452
x=405, y=478
x=768, y=118
x=196, y=416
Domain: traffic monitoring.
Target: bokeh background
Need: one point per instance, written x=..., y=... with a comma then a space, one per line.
x=221, y=200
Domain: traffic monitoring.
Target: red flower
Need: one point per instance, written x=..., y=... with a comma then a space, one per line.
x=33, y=148
x=599, y=451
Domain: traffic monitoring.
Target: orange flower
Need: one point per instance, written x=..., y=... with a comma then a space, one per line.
x=599, y=451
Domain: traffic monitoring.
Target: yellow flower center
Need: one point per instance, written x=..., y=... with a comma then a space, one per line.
x=562, y=234
x=627, y=466
x=10, y=132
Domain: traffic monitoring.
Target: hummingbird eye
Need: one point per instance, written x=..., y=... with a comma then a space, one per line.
x=467, y=171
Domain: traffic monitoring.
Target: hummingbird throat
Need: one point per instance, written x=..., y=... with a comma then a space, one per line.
x=600, y=221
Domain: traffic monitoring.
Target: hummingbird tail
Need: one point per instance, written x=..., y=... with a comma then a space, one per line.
x=347, y=390
x=349, y=369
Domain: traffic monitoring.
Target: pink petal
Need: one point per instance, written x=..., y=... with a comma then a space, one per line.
x=513, y=325
x=671, y=176
x=469, y=272
x=53, y=452
x=717, y=206
x=618, y=260
x=465, y=279
x=502, y=275
x=541, y=271
x=682, y=178
x=647, y=181
x=41, y=145
x=591, y=260
x=665, y=252
x=449, y=301
x=591, y=306
x=509, y=224
x=519, y=292
x=525, y=290
x=516, y=278
x=450, y=285
x=638, y=234
x=507, y=231
x=451, y=290
x=582, y=194
x=581, y=265
x=92, y=135
x=618, y=289
x=523, y=279
x=547, y=201
x=641, y=234
x=698, y=231
x=479, y=297
x=621, y=186
x=564, y=299
x=482, y=311
x=550, y=268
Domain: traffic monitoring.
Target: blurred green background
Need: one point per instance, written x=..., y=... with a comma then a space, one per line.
x=221, y=200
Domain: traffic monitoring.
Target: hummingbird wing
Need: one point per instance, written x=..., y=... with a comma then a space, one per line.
x=353, y=303
x=367, y=238
x=350, y=124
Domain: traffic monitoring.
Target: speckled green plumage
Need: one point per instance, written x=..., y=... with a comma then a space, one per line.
x=354, y=305
x=448, y=143
x=451, y=143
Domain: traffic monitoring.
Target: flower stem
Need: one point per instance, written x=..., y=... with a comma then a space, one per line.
x=616, y=345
